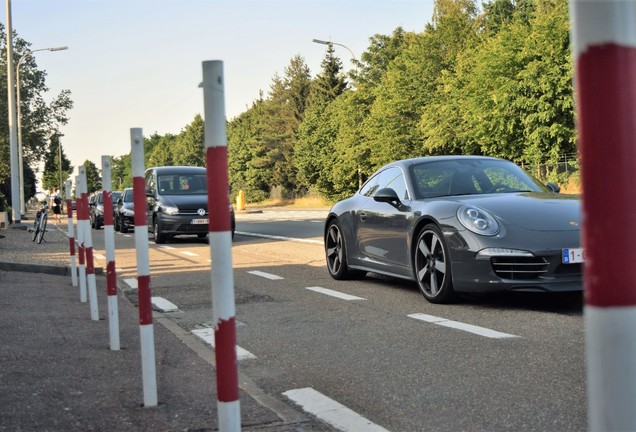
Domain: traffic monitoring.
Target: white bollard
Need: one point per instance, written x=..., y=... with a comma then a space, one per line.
x=220, y=236
x=146, y=330
x=604, y=50
x=109, y=242
x=71, y=232
x=80, y=239
x=88, y=249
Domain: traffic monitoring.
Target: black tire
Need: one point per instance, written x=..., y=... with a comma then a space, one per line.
x=159, y=237
x=42, y=227
x=116, y=225
x=433, y=267
x=336, y=254
x=201, y=236
x=36, y=227
x=122, y=226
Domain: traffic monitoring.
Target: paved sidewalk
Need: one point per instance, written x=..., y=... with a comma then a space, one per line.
x=57, y=372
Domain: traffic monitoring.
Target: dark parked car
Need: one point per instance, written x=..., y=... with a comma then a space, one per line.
x=458, y=224
x=177, y=202
x=96, y=208
x=123, y=212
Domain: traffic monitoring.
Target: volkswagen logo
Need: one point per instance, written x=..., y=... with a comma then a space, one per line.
x=201, y=212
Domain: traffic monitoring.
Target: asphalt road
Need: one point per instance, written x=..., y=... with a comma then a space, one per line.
x=494, y=363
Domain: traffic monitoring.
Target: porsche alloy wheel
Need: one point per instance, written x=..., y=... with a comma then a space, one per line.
x=432, y=266
x=336, y=254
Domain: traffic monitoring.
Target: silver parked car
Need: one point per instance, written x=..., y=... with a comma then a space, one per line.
x=458, y=224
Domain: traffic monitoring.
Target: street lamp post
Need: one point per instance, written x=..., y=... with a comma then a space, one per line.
x=13, y=145
x=323, y=42
x=26, y=55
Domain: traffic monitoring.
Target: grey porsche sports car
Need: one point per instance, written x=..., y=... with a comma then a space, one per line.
x=458, y=224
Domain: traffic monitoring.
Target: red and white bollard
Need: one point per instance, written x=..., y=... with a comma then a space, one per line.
x=109, y=243
x=71, y=232
x=80, y=240
x=220, y=237
x=143, y=271
x=604, y=49
x=88, y=248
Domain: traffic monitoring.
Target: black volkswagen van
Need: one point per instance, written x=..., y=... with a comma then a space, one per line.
x=177, y=202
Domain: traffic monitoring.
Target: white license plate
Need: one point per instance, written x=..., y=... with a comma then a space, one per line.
x=199, y=221
x=572, y=256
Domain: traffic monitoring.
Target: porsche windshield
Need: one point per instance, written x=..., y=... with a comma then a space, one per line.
x=470, y=177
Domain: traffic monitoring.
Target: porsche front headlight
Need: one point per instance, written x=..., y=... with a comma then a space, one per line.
x=477, y=220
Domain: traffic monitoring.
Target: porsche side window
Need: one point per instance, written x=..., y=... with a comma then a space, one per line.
x=391, y=178
x=370, y=187
x=396, y=182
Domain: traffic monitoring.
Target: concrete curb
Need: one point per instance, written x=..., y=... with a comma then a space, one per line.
x=42, y=268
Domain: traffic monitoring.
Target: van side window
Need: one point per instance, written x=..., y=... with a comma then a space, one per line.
x=150, y=182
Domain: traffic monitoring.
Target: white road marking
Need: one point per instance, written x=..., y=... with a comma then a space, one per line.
x=333, y=293
x=165, y=247
x=99, y=256
x=320, y=242
x=266, y=275
x=207, y=335
x=331, y=411
x=131, y=282
x=481, y=331
x=163, y=305
x=188, y=253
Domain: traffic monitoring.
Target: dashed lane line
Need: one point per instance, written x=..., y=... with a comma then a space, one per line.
x=207, y=335
x=301, y=240
x=333, y=293
x=163, y=305
x=188, y=253
x=481, y=331
x=332, y=412
x=265, y=275
x=131, y=282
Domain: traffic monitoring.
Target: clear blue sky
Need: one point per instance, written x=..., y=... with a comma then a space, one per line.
x=137, y=63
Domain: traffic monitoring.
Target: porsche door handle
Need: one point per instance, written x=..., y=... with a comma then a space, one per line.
x=363, y=216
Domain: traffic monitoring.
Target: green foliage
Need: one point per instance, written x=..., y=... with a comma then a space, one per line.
x=54, y=175
x=93, y=177
x=39, y=119
x=495, y=80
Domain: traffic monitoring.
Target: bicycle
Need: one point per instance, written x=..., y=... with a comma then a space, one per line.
x=39, y=225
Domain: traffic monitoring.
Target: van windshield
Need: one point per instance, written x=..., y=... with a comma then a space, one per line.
x=179, y=184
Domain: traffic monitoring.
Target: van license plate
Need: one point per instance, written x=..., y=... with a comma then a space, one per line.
x=199, y=221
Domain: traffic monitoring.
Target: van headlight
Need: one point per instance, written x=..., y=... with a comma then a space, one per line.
x=169, y=210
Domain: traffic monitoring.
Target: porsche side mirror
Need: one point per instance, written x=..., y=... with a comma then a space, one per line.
x=387, y=195
x=553, y=187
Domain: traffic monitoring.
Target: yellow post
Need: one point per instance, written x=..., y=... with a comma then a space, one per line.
x=240, y=201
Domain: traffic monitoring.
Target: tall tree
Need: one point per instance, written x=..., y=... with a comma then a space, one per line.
x=330, y=82
x=189, y=148
x=93, y=177
x=248, y=167
x=54, y=174
x=39, y=119
x=121, y=171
